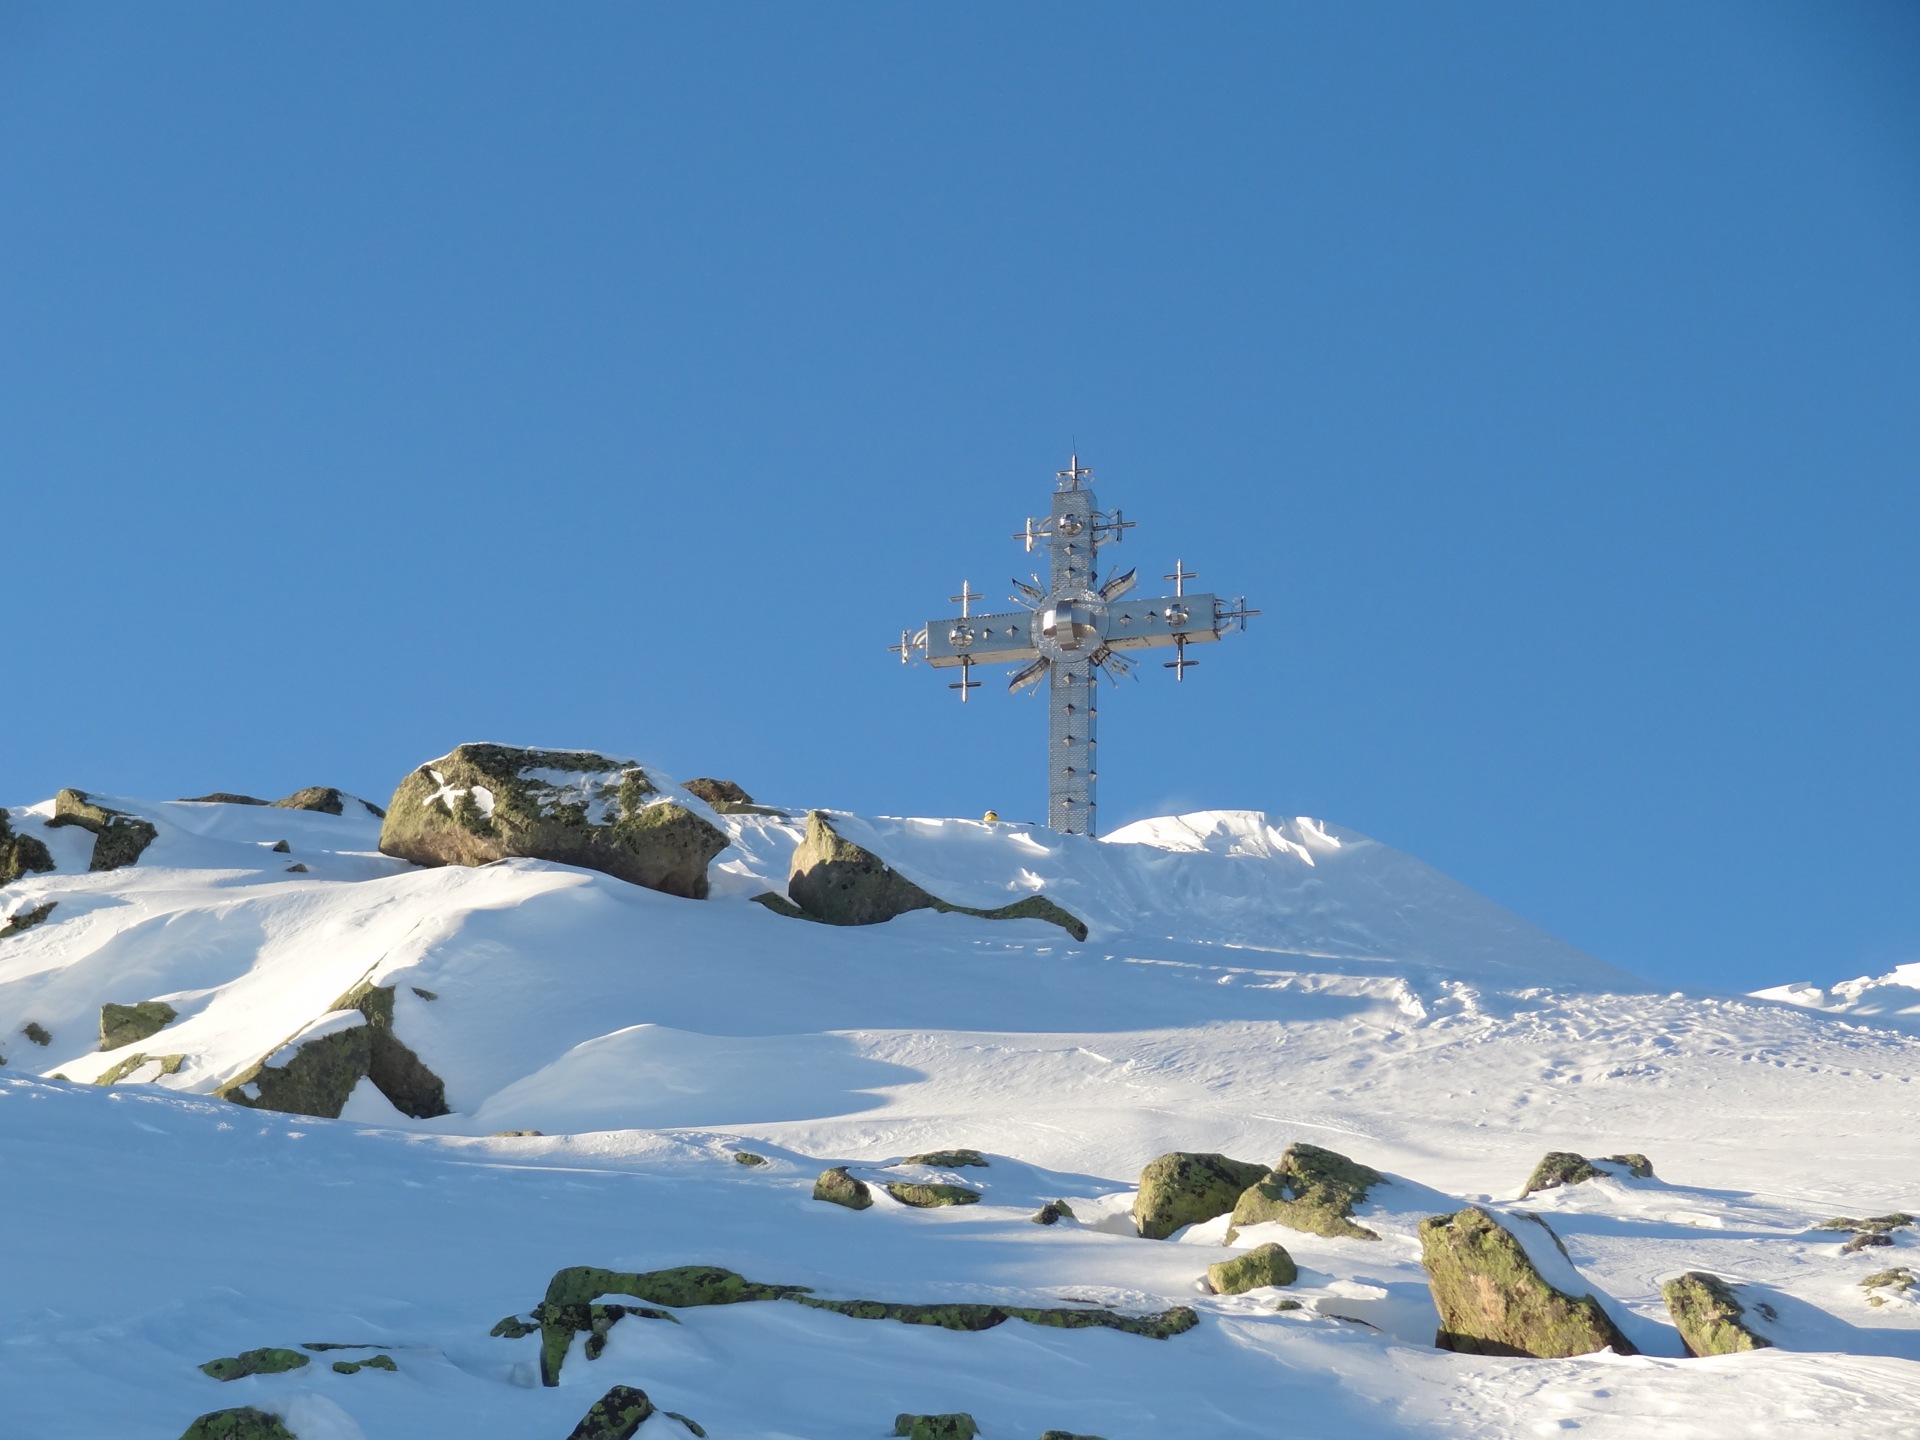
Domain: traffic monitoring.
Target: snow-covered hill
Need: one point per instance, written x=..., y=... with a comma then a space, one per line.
x=1246, y=983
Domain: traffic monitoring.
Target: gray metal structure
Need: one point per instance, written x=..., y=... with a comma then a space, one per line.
x=1069, y=632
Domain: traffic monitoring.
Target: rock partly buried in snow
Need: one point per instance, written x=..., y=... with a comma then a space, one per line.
x=127, y=1024
x=839, y=1188
x=1312, y=1190
x=1493, y=1301
x=927, y=1197
x=947, y=1159
x=956, y=1426
x=132, y=1064
x=616, y=1415
x=119, y=838
x=1711, y=1321
x=21, y=854
x=1897, y=1281
x=747, y=1157
x=1053, y=1212
x=722, y=795
x=1183, y=1188
x=221, y=797
x=372, y=1362
x=270, y=1360
x=354, y=1040
x=243, y=1423
x=1558, y=1168
x=1638, y=1166
x=1263, y=1265
x=1875, y=1230
x=23, y=920
x=486, y=802
x=327, y=801
x=834, y=880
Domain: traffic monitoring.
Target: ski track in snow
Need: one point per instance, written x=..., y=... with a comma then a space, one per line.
x=1247, y=983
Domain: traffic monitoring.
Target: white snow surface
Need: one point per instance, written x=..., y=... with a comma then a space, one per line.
x=1248, y=981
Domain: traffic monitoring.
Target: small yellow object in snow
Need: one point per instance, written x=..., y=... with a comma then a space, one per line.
x=992, y=817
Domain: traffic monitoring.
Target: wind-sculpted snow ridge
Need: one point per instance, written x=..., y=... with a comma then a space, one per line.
x=606, y=1051
x=1892, y=999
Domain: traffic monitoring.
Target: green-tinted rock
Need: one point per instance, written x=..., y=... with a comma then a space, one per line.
x=1313, y=1190
x=1710, y=1320
x=244, y=1423
x=1263, y=1265
x=322, y=1073
x=126, y=1024
x=1184, y=1188
x=616, y=1415
x=747, y=1157
x=221, y=797
x=514, y=1328
x=119, y=839
x=571, y=807
x=26, y=919
x=926, y=1197
x=1492, y=1301
x=1899, y=1280
x=699, y=1431
x=122, y=1068
x=373, y=1362
x=947, y=1159
x=267, y=1361
x=837, y=1187
x=834, y=880
x=323, y=799
x=21, y=854
x=1638, y=1166
x=1558, y=1168
x=957, y=1426
x=1053, y=1212
x=683, y=1286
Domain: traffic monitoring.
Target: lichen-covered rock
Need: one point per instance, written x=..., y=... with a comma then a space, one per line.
x=486, y=802
x=926, y=1197
x=21, y=854
x=956, y=1426
x=836, y=881
x=372, y=1362
x=837, y=1187
x=616, y=1415
x=1183, y=1188
x=119, y=839
x=694, y=1427
x=1313, y=1190
x=269, y=1360
x=23, y=920
x=1897, y=1281
x=127, y=1024
x=1710, y=1320
x=1874, y=1230
x=1493, y=1301
x=354, y=1040
x=948, y=1159
x=243, y=1423
x=1263, y=1265
x=1638, y=1166
x=747, y=1157
x=121, y=1069
x=1053, y=1212
x=1558, y=1168
x=327, y=801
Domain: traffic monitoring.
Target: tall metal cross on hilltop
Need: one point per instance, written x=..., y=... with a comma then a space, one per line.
x=1069, y=632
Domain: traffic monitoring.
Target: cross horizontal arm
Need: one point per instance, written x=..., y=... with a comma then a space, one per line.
x=1145, y=624
x=982, y=639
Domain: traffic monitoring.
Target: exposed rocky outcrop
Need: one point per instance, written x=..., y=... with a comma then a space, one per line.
x=327, y=801
x=1896, y=1281
x=372, y=1362
x=21, y=854
x=128, y=1024
x=1711, y=1321
x=841, y=883
x=1638, y=1166
x=24, y=920
x=1493, y=1301
x=747, y=1157
x=243, y=1423
x=694, y=1427
x=321, y=1073
x=1262, y=1265
x=1183, y=1188
x=37, y=1033
x=723, y=795
x=948, y=1159
x=221, y=797
x=1053, y=1212
x=839, y=1188
x=121, y=1069
x=1558, y=1168
x=1312, y=1190
x=1874, y=1231
x=267, y=1361
x=486, y=802
x=926, y=1197
x=119, y=838
x=955, y=1426
x=616, y=1415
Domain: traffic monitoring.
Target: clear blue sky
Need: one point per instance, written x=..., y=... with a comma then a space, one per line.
x=374, y=378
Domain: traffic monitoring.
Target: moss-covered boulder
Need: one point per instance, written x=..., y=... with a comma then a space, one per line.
x=127, y=1065
x=956, y=1426
x=1184, y=1187
x=127, y=1024
x=1053, y=1212
x=1638, y=1166
x=747, y=1157
x=269, y=1360
x=1711, y=1321
x=1262, y=1265
x=1493, y=1301
x=616, y=1415
x=119, y=838
x=486, y=802
x=948, y=1159
x=372, y=1362
x=837, y=1187
x=927, y=1197
x=243, y=1423
x=24, y=920
x=1558, y=1168
x=354, y=1040
x=1867, y=1234
x=1896, y=1281
x=327, y=801
x=841, y=883
x=21, y=854
x=1312, y=1190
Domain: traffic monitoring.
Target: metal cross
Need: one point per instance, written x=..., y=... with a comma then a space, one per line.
x=1071, y=630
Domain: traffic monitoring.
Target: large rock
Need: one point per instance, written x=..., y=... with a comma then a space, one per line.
x=243, y=1423
x=1493, y=1301
x=1262, y=1265
x=1184, y=1188
x=119, y=838
x=21, y=854
x=354, y=1040
x=1710, y=1320
x=836, y=881
x=837, y=1187
x=486, y=802
x=1311, y=1189
x=326, y=800
x=126, y=1024
x=955, y=1426
x=616, y=1415
x=1558, y=1168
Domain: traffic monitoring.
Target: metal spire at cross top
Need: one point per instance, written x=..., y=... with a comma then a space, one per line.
x=1069, y=632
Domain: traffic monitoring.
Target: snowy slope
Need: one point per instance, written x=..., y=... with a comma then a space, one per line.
x=1247, y=982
